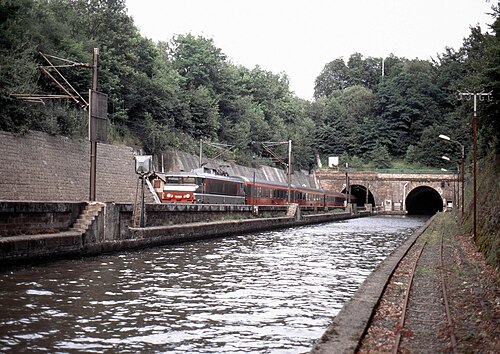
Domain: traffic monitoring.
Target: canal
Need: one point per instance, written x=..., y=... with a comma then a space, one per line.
x=268, y=292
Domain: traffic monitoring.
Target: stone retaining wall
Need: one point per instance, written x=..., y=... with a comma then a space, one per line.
x=37, y=217
x=41, y=167
x=112, y=228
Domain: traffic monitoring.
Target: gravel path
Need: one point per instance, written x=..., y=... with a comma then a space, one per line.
x=473, y=296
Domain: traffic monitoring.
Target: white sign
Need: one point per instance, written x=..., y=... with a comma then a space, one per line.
x=333, y=161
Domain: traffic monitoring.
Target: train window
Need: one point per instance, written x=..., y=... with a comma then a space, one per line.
x=189, y=180
x=174, y=180
x=223, y=187
x=283, y=194
x=231, y=188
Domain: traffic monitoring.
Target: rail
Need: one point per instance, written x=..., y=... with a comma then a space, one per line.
x=404, y=313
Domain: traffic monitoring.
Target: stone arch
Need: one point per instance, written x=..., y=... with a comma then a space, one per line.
x=424, y=200
x=359, y=192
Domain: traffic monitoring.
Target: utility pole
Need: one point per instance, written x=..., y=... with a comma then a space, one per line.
x=481, y=96
x=289, y=170
x=267, y=147
x=462, y=150
x=201, y=154
x=93, y=141
x=96, y=105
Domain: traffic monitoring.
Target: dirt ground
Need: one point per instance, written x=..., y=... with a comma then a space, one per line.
x=472, y=293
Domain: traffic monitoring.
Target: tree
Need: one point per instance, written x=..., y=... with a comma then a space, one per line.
x=334, y=76
x=379, y=157
x=337, y=75
x=18, y=67
x=406, y=104
x=364, y=72
x=198, y=61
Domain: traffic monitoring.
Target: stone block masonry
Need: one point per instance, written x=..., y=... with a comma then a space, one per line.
x=111, y=229
x=30, y=218
x=41, y=167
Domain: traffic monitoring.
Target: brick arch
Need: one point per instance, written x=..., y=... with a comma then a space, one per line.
x=424, y=199
x=360, y=191
x=390, y=188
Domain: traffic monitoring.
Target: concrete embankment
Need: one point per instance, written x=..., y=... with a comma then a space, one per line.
x=345, y=333
x=46, y=231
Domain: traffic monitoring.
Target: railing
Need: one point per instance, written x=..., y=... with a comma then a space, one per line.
x=391, y=171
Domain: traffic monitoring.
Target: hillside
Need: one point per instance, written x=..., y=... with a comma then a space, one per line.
x=488, y=208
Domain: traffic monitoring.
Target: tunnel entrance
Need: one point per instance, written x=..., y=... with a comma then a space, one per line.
x=424, y=201
x=359, y=192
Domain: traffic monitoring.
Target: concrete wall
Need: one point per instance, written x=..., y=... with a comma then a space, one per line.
x=119, y=216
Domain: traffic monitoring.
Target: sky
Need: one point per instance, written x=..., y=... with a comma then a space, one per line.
x=299, y=37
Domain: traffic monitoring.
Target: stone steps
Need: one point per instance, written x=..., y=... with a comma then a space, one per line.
x=86, y=218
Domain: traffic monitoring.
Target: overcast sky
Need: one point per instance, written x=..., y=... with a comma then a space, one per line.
x=299, y=37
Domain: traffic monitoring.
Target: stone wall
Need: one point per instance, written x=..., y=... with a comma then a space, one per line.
x=110, y=230
x=389, y=186
x=31, y=218
x=41, y=167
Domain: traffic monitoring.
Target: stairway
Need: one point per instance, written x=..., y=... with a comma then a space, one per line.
x=294, y=211
x=87, y=217
x=138, y=205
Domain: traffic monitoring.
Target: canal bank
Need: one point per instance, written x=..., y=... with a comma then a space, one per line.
x=449, y=305
x=346, y=331
x=34, y=231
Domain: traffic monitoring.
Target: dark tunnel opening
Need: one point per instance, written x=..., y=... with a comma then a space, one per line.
x=359, y=192
x=424, y=201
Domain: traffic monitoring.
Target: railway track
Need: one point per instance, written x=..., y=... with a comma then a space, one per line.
x=414, y=316
x=426, y=324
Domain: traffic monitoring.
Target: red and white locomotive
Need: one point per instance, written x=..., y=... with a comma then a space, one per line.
x=208, y=188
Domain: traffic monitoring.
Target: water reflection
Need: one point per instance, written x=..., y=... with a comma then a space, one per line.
x=267, y=292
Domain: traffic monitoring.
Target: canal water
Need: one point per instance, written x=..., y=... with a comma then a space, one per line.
x=268, y=292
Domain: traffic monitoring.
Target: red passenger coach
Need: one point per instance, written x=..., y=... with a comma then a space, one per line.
x=265, y=192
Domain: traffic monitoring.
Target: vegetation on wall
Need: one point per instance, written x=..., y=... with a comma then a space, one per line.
x=173, y=93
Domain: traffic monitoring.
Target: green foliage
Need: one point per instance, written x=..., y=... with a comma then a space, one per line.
x=379, y=157
x=338, y=75
x=407, y=103
x=171, y=94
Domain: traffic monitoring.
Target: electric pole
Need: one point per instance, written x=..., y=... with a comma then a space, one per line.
x=481, y=96
x=93, y=141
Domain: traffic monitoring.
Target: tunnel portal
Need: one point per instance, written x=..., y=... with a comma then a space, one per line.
x=424, y=201
x=359, y=192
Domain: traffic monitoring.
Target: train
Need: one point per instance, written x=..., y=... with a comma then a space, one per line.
x=210, y=188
